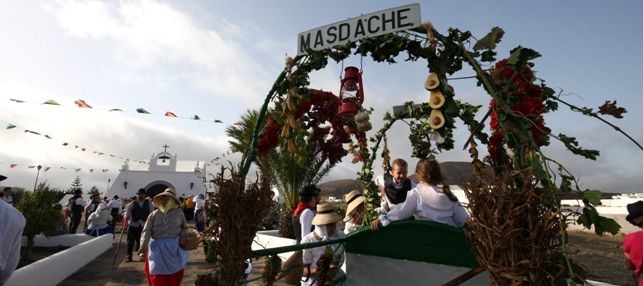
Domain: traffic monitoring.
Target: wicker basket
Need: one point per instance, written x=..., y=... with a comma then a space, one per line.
x=190, y=240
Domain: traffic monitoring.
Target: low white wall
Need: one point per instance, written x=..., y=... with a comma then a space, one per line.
x=271, y=239
x=54, y=269
x=626, y=227
x=67, y=240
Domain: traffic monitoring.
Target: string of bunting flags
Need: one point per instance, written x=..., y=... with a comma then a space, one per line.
x=80, y=103
x=11, y=126
x=46, y=168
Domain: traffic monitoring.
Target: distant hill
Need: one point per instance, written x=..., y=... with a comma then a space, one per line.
x=456, y=173
x=338, y=188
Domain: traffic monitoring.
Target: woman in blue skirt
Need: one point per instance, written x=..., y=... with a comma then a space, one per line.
x=164, y=258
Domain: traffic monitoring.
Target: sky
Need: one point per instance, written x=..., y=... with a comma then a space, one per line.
x=216, y=59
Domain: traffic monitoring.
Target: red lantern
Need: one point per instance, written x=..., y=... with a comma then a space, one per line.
x=351, y=92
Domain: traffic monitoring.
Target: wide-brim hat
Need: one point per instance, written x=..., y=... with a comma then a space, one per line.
x=353, y=200
x=140, y=191
x=169, y=192
x=325, y=215
x=634, y=211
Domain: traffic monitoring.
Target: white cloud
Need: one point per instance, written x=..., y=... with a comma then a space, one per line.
x=155, y=36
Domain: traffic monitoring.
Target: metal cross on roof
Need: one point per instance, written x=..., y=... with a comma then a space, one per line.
x=165, y=147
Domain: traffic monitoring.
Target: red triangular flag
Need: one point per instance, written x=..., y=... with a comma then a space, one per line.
x=13, y=165
x=170, y=114
x=82, y=104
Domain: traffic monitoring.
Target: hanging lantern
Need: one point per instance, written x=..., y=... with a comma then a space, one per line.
x=351, y=92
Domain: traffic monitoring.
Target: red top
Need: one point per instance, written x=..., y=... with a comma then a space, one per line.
x=633, y=246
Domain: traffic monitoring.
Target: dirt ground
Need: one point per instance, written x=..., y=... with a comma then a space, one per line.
x=601, y=255
x=101, y=272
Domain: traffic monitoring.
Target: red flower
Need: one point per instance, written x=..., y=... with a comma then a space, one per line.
x=529, y=106
x=527, y=100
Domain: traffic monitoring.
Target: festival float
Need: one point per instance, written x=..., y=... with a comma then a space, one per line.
x=516, y=234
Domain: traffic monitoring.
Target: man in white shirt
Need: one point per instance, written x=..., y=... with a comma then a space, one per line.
x=92, y=206
x=136, y=214
x=199, y=215
x=6, y=195
x=11, y=226
x=76, y=205
x=303, y=215
x=115, y=206
x=394, y=186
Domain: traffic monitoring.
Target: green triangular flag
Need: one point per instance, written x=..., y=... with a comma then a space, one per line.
x=51, y=102
x=196, y=117
x=16, y=100
x=141, y=110
x=115, y=109
x=10, y=126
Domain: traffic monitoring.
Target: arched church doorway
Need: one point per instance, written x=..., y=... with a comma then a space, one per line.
x=156, y=188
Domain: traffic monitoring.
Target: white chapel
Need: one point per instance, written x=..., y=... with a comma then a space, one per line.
x=161, y=174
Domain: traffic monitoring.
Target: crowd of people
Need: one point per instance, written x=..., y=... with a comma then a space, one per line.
x=156, y=226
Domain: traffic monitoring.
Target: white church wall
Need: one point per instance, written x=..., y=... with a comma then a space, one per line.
x=145, y=179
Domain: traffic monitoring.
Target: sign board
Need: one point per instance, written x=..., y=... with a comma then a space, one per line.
x=365, y=26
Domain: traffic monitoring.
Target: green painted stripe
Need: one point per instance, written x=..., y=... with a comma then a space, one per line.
x=415, y=240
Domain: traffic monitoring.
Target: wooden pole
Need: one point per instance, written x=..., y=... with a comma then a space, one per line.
x=35, y=184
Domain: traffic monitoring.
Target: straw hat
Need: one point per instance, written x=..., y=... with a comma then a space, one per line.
x=326, y=214
x=353, y=200
x=168, y=192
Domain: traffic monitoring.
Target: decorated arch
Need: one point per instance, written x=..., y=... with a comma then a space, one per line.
x=517, y=227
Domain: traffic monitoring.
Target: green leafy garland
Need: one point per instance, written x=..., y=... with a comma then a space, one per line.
x=444, y=55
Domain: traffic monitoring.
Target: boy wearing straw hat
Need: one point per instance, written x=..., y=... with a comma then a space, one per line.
x=326, y=228
x=633, y=242
x=354, y=211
